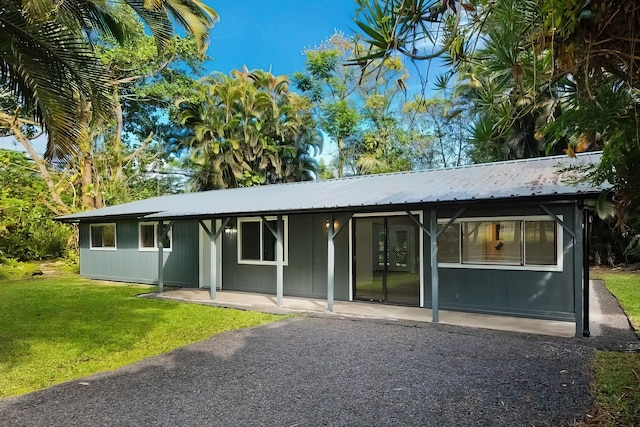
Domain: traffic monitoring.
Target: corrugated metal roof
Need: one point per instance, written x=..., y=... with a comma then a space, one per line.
x=539, y=177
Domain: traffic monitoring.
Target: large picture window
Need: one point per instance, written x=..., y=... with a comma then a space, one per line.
x=527, y=243
x=103, y=236
x=256, y=243
x=148, y=234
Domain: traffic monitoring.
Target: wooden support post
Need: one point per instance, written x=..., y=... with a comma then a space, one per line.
x=578, y=270
x=213, y=262
x=160, y=257
x=585, y=267
x=280, y=261
x=331, y=260
x=213, y=239
x=433, y=236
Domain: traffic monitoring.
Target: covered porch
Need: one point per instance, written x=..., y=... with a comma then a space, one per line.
x=312, y=306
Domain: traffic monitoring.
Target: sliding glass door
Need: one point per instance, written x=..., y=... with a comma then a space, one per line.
x=387, y=259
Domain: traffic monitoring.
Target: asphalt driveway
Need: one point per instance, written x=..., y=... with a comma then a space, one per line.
x=310, y=371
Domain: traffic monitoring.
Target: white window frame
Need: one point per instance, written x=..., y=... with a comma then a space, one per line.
x=263, y=228
x=156, y=235
x=496, y=266
x=103, y=248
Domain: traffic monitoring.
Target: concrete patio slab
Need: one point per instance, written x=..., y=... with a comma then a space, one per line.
x=267, y=303
x=607, y=320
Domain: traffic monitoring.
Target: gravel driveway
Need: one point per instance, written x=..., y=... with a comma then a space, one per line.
x=311, y=371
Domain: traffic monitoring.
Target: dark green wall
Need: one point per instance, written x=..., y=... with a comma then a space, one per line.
x=306, y=272
x=542, y=294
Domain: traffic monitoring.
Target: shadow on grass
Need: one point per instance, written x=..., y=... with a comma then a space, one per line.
x=53, y=330
x=70, y=312
x=309, y=371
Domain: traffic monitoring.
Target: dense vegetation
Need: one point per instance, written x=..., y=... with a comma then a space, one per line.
x=126, y=118
x=537, y=76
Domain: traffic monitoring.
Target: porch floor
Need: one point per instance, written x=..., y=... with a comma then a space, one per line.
x=267, y=303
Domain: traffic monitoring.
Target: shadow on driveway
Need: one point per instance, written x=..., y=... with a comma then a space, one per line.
x=311, y=371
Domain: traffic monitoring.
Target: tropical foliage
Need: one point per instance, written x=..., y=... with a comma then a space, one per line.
x=249, y=129
x=359, y=107
x=26, y=228
x=543, y=75
x=48, y=63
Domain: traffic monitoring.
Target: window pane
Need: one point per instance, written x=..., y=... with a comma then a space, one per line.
x=166, y=241
x=109, y=235
x=96, y=236
x=147, y=236
x=540, y=243
x=269, y=242
x=250, y=232
x=489, y=242
x=449, y=243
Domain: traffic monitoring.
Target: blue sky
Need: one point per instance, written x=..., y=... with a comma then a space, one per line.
x=271, y=34
x=266, y=34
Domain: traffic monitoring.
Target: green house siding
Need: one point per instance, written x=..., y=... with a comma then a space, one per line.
x=537, y=294
x=128, y=264
x=305, y=274
x=511, y=291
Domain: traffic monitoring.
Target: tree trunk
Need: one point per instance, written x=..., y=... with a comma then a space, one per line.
x=340, y=158
x=86, y=180
x=42, y=167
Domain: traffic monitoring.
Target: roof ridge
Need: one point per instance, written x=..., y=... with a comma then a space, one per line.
x=474, y=165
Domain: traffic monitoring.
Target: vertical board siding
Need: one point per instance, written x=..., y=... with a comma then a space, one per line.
x=129, y=264
x=541, y=294
x=305, y=275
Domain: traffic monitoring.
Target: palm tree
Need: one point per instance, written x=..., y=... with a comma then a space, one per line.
x=248, y=129
x=48, y=64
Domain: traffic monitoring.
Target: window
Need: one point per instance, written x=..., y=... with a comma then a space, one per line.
x=256, y=243
x=485, y=242
x=103, y=236
x=540, y=242
x=527, y=243
x=148, y=237
x=449, y=243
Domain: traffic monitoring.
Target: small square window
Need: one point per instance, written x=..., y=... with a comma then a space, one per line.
x=103, y=236
x=148, y=237
x=256, y=242
x=540, y=243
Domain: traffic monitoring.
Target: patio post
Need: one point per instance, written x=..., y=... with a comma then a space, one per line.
x=213, y=252
x=331, y=259
x=433, y=237
x=160, y=258
x=280, y=261
x=578, y=270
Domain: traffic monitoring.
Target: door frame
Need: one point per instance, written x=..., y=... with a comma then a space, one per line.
x=419, y=214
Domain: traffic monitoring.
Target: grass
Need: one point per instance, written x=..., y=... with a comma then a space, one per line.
x=617, y=374
x=626, y=288
x=10, y=269
x=55, y=329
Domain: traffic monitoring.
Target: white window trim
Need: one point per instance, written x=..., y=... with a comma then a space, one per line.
x=102, y=248
x=495, y=266
x=156, y=235
x=285, y=220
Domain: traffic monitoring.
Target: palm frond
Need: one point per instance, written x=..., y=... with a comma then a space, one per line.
x=51, y=69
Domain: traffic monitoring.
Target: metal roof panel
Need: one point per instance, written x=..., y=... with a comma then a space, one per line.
x=513, y=179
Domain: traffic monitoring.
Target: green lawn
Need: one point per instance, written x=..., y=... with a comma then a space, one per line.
x=61, y=328
x=617, y=374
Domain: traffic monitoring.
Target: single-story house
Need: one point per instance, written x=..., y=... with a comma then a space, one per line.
x=504, y=238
